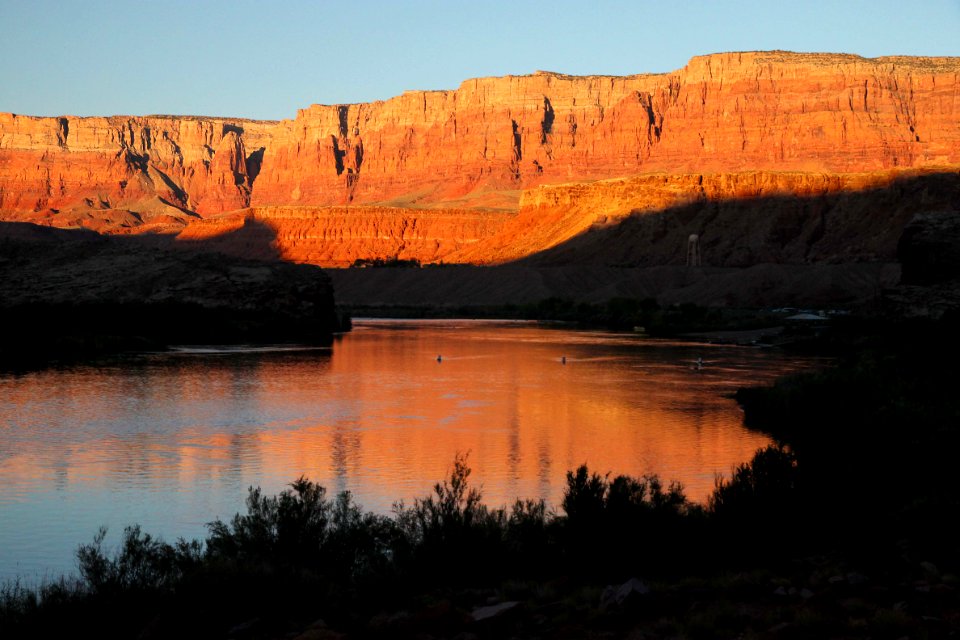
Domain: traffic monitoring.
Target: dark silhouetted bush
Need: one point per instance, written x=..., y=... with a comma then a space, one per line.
x=615, y=523
x=141, y=563
x=287, y=528
x=302, y=528
x=759, y=508
x=454, y=523
x=758, y=489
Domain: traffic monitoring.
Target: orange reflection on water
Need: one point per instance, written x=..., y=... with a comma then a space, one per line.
x=618, y=404
x=173, y=440
x=505, y=397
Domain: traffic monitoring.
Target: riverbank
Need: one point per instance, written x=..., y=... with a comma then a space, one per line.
x=640, y=315
x=626, y=557
x=73, y=295
x=876, y=435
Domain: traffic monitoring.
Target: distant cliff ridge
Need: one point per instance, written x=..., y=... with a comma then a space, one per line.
x=720, y=113
x=477, y=156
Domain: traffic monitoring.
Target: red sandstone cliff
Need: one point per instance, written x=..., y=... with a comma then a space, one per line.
x=720, y=113
x=483, y=145
x=339, y=236
x=126, y=172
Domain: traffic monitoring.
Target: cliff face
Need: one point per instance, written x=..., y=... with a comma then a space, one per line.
x=770, y=111
x=339, y=236
x=720, y=113
x=111, y=174
x=740, y=219
x=756, y=152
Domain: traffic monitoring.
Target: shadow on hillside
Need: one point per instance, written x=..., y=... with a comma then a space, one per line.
x=73, y=294
x=830, y=228
x=819, y=250
x=253, y=240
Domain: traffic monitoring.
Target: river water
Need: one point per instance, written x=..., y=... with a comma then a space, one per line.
x=173, y=440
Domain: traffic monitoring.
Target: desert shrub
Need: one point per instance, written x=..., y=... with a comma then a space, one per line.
x=591, y=499
x=618, y=523
x=49, y=610
x=454, y=508
x=452, y=523
x=286, y=528
x=527, y=524
x=358, y=544
x=17, y=603
x=585, y=497
x=765, y=486
x=141, y=563
x=760, y=509
x=302, y=528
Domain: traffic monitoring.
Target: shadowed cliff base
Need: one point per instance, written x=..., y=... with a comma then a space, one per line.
x=461, y=287
x=75, y=294
x=825, y=245
x=828, y=247
x=741, y=219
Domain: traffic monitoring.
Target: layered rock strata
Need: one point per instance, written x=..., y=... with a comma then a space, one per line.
x=341, y=236
x=122, y=173
x=726, y=112
x=590, y=185
x=480, y=145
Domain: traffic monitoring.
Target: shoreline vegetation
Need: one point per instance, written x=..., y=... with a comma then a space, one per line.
x=301, y=556
x=41, y=334
x=846, y=527
x=72, y=296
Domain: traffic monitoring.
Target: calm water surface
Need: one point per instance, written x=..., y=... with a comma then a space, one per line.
x=173, y=440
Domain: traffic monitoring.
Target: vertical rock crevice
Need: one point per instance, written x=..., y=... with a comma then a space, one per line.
x=546, y=124
x=338, y=155
x=654, y=119
x=517, y=145
x=517, y=141
x=343, y=112
x=254, y=162
x=63, y=130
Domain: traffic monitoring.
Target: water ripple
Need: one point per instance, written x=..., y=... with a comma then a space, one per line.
x=173, y=440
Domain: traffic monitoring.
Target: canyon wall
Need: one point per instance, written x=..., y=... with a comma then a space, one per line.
x=123, y=173
x=770, y=157
x=341, y=236
x=480, y=145
x=769, y=111
x=740, y=219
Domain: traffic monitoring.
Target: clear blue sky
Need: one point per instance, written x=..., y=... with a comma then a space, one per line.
x=267, y=59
